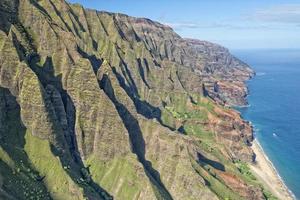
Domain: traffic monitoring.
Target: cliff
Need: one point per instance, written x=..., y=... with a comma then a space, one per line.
x=97, y=105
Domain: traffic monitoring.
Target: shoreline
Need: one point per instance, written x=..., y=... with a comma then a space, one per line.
x=265, y=171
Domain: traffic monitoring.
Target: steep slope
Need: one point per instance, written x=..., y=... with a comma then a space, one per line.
x=99, y=105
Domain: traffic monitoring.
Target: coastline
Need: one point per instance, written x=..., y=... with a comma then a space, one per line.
x=265, y=171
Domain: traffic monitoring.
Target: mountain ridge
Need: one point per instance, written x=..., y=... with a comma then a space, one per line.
x=107, y=105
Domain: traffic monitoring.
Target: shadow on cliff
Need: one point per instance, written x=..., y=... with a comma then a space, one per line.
x=47, y=77
x=143, y=107
x=12, y=141
x=8, y=14
x=64, y=142
x=136, y=138
x=205, y=161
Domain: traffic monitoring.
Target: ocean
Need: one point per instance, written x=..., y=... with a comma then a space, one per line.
x=274, y=108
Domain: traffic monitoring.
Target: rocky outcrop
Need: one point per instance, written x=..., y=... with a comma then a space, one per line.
x=109, y=106
x=224, y=74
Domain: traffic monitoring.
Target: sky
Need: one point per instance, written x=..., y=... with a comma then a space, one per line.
x=236, y=24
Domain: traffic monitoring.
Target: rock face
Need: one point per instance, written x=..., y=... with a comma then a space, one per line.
x=96, y=105
x=224, y=75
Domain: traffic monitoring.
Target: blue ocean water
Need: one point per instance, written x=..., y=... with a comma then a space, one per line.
x=275, y=109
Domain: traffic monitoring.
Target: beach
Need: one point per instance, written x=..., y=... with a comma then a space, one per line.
x=264, y=170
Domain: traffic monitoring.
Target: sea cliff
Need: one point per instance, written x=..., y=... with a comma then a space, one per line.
x=98, y=105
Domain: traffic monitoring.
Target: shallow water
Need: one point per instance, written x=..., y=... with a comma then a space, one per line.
x=275, y=108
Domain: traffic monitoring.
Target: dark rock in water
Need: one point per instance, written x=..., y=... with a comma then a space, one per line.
x=104, y=106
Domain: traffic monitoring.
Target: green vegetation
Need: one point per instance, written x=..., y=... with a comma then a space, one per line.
x=20, y=178
x=245, y=170
x=6, y=158
x=248, y=176
x=117, y=175
x=56, y=178
x=219, y=188
x=268, y=195
x=203, y=102
x=197, y=130
x=22, y=184
x=176, y=114
x=206, y=104
x=194, y=114
x=168, y=119
x=2, y=39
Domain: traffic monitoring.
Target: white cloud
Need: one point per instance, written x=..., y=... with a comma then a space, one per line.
x=214, y=25
x=182, y=25
x=276, y=17
x=284, y=13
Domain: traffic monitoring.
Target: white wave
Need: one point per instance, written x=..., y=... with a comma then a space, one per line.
x=260, y=73
x=244, y=106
